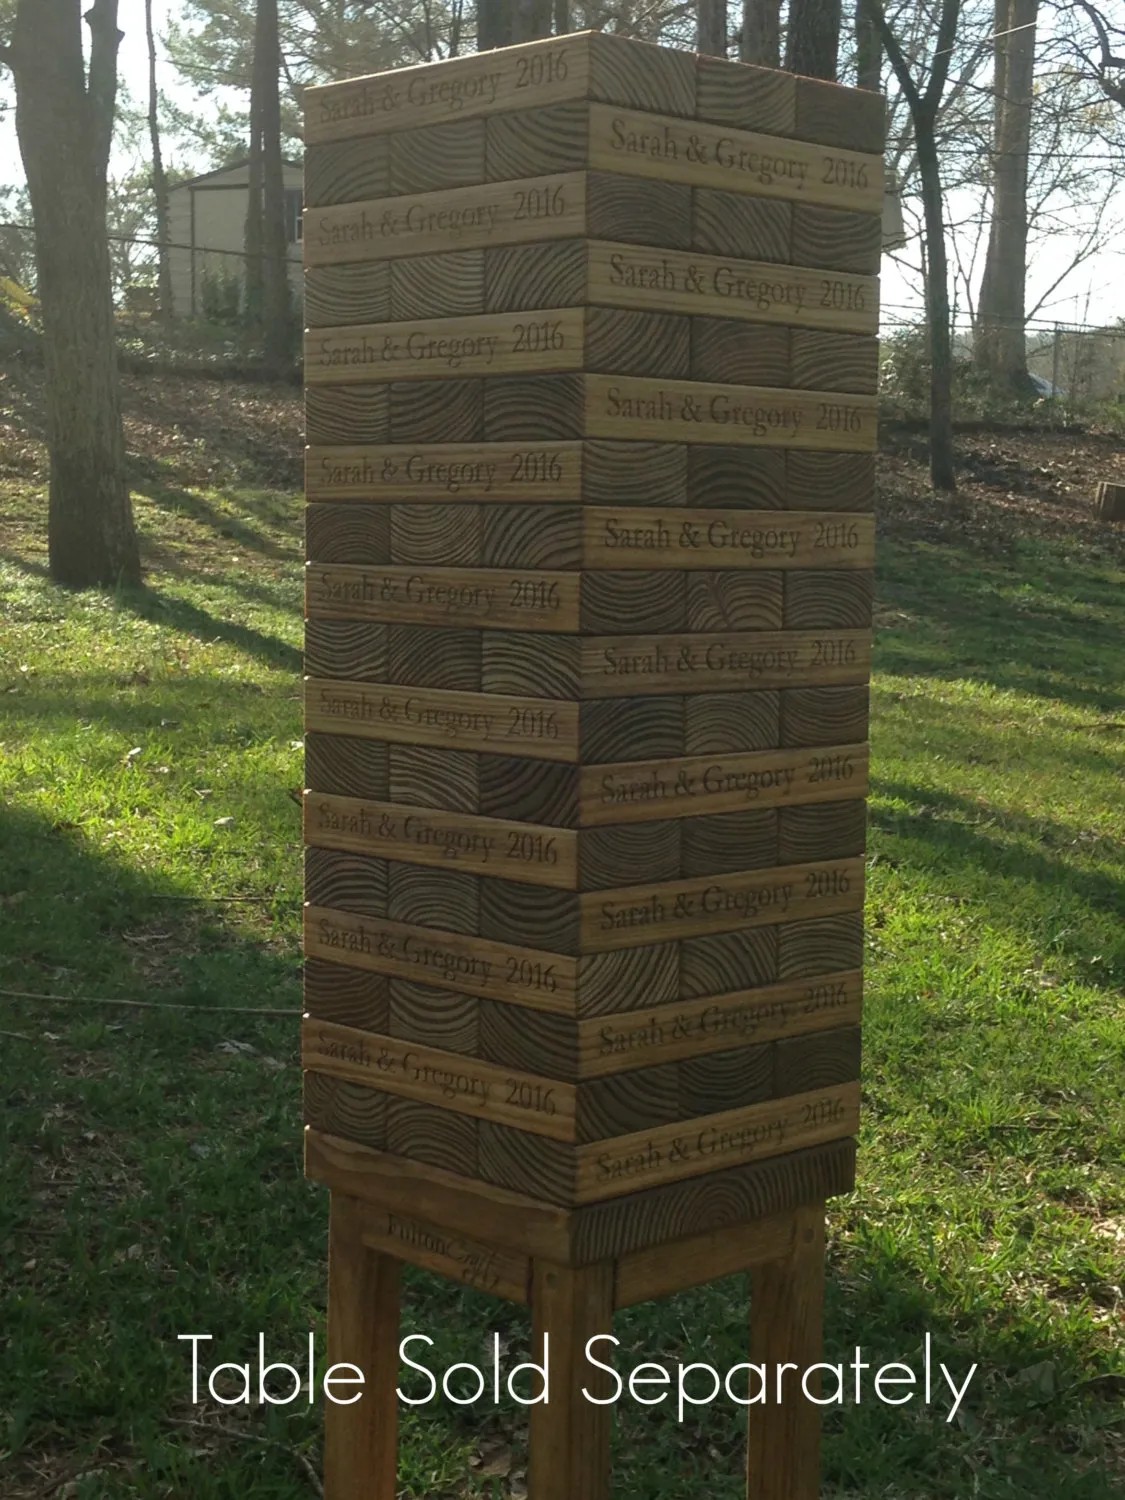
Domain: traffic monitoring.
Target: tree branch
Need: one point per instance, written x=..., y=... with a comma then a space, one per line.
x=101, y=90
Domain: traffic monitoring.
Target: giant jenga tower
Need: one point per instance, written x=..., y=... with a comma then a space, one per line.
x=591, y=376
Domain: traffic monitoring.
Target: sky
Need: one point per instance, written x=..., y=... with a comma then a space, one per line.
x=1095, y=293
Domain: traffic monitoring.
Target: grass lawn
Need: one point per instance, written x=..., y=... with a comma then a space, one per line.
x=150, y=1157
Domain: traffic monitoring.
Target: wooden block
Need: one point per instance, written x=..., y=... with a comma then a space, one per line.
x=428, y=1133
x=347, y=171
x=434, y=286
x=536, y=142
x=624, y=71
x=464, y=473
x=651, y=913
x=529, y=536
x=819, y=945
x=836, y=239
x=739, y=161
x=465, y=218
x=698, y=1027
x=377, y=1177
x=698, y=412
x=639, y=537
x=728, y=961
x=528, y=1040
x=538, y=410
x=827, y=830
x=533, y=791
x=830, y=481
x=726, y=1080
x=618, y=727
x=345, y=1109
x=447, y=960
x=420, y=1013
x=423, y=897
x=656, y=473
x=440, y=535
x=348, y=767
x=347, y=996
x=835, y=361
x=829, y=599
x=824, y=715
x=347, y=533
x=530, y=916
x=741, y=1195
x=525, y=1163
x=480, y=597
x=628, y=601
x=457, y=1257
x=755, y=291
x=336, y=295
x=446, y=840
x=427, y=777
x=430, y=716
x=628, y=979
x=637, y=211
x=353, y=882
x=853, y=118
x=552, y=274
x=637, y=343
x=723, y=601
x=728, y=350
x=628, y=665
x=728, y=842
x=757, y=229
x=750, y=478
x=540, y=666
x=751, y=98
x=449, y=1080
x=638, y=1100
x=819, y=1061
x=649, y=1158
x=493, y=344
x=436, y=411
x=432, y=157
x=729, y=723
x=420, y=657
x=611, y=856
x=358, y=415
x=693, y=786
x=346, y=648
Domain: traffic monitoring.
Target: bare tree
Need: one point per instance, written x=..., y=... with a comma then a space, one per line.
x=268, y=300
x=812, y=42
x=760, y=40
x=1104, y=60
x=64, y=120
x=711, y=27
x=924, y=102
x=1000, y=345
x=868, y=49
x=159, y=177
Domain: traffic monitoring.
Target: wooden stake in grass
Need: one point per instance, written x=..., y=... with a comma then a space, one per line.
x=1109, y=500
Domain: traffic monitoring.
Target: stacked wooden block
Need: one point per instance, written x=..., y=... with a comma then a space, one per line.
x=590, y=397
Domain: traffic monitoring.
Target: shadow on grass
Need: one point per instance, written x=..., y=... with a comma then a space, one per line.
x=255, y=510
x=178, y=614
x=1011, y=623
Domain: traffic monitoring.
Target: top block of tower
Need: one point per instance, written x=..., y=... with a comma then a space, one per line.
x=601, y=68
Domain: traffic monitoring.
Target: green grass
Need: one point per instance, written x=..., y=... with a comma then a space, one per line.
x=149, y=1159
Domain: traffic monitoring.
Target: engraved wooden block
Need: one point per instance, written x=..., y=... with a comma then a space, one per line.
x=627, y=665
x=361, y=293
x=724, y=539
x=464, y=473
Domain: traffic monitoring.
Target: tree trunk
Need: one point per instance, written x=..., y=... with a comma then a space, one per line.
x=531, y=19
x=813, y=41
x=942, y=474
x=868, y=49
x=1001, y=342
x=277, y=302
x=711, y=27
x=494, y=24
x=64, y=120
x=254, y=280
x=760, y=41
x=159, y=179
x=562, y=17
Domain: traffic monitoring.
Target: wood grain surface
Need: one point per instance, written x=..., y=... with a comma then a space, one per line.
x=458, y=1257
x=622, y=666
x=539, y=855
x=682, y=411
x=458, y=720
x=639, y=537
x=480, y=597
x=451, y=472
x=446, y=960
